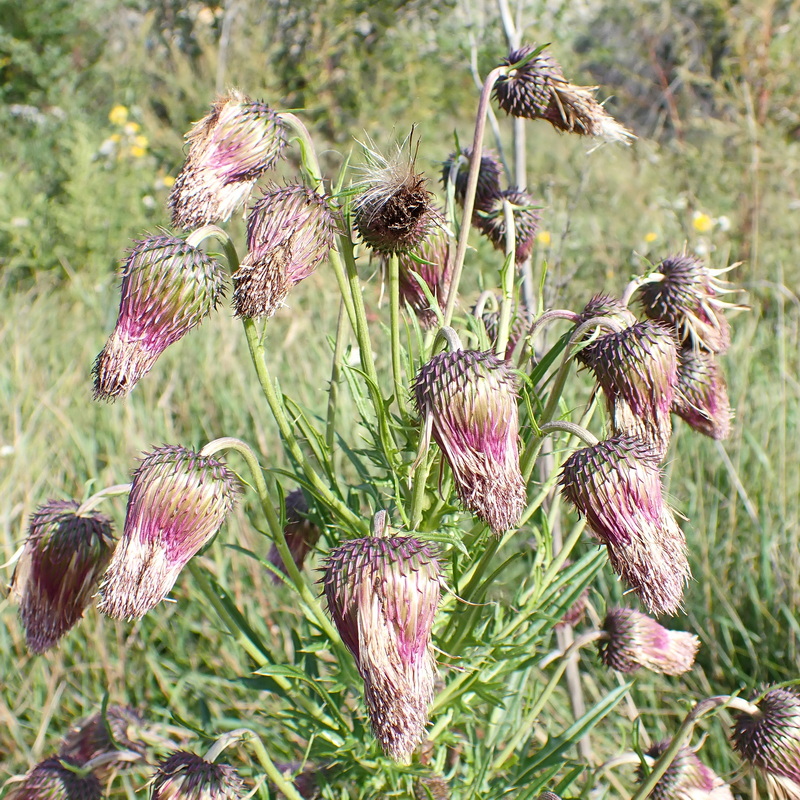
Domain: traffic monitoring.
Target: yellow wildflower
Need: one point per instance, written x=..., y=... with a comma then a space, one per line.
x=543, y=237
x=168, y=181
x=140, y=141
x=650, y=237
x=118, y=115
x=115, y=137
x=136, y=151
x=702, y=222
x=132, y=127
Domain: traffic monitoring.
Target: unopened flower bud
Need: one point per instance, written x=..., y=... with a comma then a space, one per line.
x=686, y=778
x=178, y=501
x=168, y=288
x=616, y=485
x=701, y=397
x=301, y=534
x=468, y=400
x=605, y=305
x=229, y=150
x=517, y=331
x=635, y=640
x=382, y=594
x=431, y=787
x=289, y=232
x=185, y=776
x=52, y=779
x=492, y=222
x=65, y=556
x=488, y=177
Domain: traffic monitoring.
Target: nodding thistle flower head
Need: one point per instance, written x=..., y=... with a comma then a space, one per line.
x=468, y=400
x=488, y=177
x=52, y=779
x=605, y=305
x=229, y=150
x=686, y=778
x=393, y=212
x=634, y=640
x=431, y=787
x=382, y=594
x=701, y=397
x=289, y=232
x=770, y=740
x=538, y=90
x=517, y=331
x=65, y=556
x=548, y=796
x=185, y=776
x=178, y=501
x=687, y=299
x=616, y=485
x=301, y=534
x=491, y=222
x=168, y=288
x=637, y=369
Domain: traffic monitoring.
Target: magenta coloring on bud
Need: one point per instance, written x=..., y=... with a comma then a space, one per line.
x=686, y=777
x=701, y=398
x=185, y=776
x=52, y=779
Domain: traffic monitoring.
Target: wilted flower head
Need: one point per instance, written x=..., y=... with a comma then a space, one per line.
x=52, y=779
x=635, y=640
x=539, y=90
x=701, y=397
x=687, y=300
x=491, y=222
x=229, y=150
x=770, y=740
x=393, y=212
x=616, y=485
x=686, y=778
x=468, y=400
x=289, y=232
x=431, y=787
x=488, y=177
x=382, y=594
x=64, y=558
x=178, y=501
x=168, y=288
x=185, y=776
x=301, y=534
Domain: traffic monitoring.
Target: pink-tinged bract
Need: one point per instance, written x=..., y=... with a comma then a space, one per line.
x=491, y=222
x=701, y=397
x=488, y=186
x=186, y=776
x=686, y=778
x=52, y=779
x=178, y=501
x=301, y=533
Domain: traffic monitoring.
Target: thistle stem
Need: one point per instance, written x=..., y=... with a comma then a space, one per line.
x=571, y=428
x=450, y=337
x=507, y=281
x=110, y=491
x=545, y=319
x=394, y=325
x=333, y=388
x=653, y=277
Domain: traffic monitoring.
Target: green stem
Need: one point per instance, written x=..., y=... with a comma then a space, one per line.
x=571, y=428
x=400, y=389
x=507, y=281
x=333, y=389
x=110, y=491
x=540, y=321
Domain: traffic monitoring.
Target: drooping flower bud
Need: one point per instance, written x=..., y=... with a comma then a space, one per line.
x=52, y=779
x=382, y=594
x=517, y=331
x=687, y=300
x=488, y=177
x=604, y=305
x=178, y=501
x=616, y=485
x=168, y=288
x=686, y=778
x=301, y=534
x=64, y=558
x=431, y=787
x=492, y=222
x=468, y=400
x=289, y=232
x=539, y=90
x=770, y=740
x=701, y=397
x=637, y=369
x=185, y=776
x=229, y=150
x=635, y=640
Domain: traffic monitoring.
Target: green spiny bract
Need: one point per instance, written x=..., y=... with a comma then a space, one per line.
x=186, y=776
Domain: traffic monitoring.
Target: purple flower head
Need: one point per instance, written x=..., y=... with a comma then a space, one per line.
x=605, y=305
x=491, y=222
x=468, y=400
x=168, y=288
x=687, y=300
x=701, y=397
x=185, y=776
x=686, y=778
x=635, y=640
x=65, y=556
x=770, y=740
x=539, y=90
x=178, y=501
x=52, y=779
x=301, y=534
x=488, y=177
x=616, y=485
x=637, y=369
x=229, y=150
x=382, y=594
x=289, y=233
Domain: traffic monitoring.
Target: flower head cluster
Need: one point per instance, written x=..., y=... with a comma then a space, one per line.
x=701, y=396
x=686, y=778
x=185, y=776
x=52, y=779
x=488, y=187
x=491, y=222
x=301, y=533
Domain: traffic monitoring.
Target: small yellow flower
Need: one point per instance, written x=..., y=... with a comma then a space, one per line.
x=118, y=115
x=115, y=137
x=543, y=237
x=132, y=128
x=136, y=151
x=650, y=237
x=701, y=222
x=141, y=141
x=168, y=181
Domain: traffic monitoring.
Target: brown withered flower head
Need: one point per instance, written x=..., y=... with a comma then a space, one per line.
x=770, y=740
x=168, y=288
x=185, y=776
x=468, y=400
x=686, y=778
x=290, y=231
x=229, y=150
x=701, y=396
x=431, y=787
x=393, y=212
x=538, y=90
x=65, y=556
x=382, y=594
x=616, y=485
x=687, y=299
x=635, y=640
x=488, y=177
x=178, y=501
x=491, y=222
x=301, y=534
x=52, y=779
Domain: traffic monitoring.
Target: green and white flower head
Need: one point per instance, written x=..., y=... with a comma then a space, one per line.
x=701, y=397
x=178, y=501
x=686, y=778
x=185, y=776
x=52, y=779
